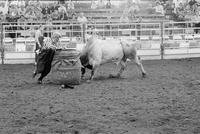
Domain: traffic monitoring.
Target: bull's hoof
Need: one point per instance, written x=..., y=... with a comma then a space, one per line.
x=115, y=76
x=39, y=82
x=82, y=77
x=34, y=74
x=144, y=75
x=111, y=76
x=88, y=81
x=118, y=76
x=66, y=86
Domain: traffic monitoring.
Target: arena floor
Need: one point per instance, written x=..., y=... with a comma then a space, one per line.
x=166, y=102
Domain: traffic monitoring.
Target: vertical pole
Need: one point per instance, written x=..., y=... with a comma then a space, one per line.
x=83, y=32
x=162, y=47
x=1, y=45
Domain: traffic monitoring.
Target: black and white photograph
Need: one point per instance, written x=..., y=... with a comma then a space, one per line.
x=99, y=66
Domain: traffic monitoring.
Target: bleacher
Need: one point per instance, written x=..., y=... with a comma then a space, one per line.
x=106, y=22
x=114, y=14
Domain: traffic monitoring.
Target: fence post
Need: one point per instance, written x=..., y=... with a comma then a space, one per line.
x=1, y=43
x=162, y=47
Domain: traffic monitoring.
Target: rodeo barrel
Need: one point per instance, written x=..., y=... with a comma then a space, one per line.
x=66, y=67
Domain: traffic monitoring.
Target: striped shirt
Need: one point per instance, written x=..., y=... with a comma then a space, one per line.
x=48, y=44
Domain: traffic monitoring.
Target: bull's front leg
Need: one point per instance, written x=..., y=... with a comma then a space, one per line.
x=123, y=67
x=140, y=66
x=92, y=73
x=83, y=70
x=94, y=69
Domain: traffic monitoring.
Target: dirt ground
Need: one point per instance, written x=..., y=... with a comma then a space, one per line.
x=166, y=102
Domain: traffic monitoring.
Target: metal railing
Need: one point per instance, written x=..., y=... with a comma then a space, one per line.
x=181, y=31
x=161, y=36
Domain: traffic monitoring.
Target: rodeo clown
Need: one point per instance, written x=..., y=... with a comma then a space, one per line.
x=46, y=54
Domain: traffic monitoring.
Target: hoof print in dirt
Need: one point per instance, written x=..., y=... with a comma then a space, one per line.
x=114, y=76
x=67, y=86
x=195, y=82
x=39, y=82
x=88, y=81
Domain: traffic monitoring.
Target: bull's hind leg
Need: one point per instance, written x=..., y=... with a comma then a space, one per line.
x=94, y=69
x=123, y=67
x=93, y=72
x=140, y=66
x=83, y=70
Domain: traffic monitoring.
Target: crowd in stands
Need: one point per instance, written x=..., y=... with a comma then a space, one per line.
x=35, y=10
x=100, y=4
x=178, y=10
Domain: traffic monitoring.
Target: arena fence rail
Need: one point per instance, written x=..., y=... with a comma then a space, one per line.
x=181, y=39
x=161, y=40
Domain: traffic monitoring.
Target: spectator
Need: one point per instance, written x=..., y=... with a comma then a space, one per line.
x=71, y=5
x=195, y=8
x=162, y=2
x=177, y=3
x=124, y=19
x=27, y=3
x=101, y=4
x=45, y=11
x=159, y=8
x=56, y=6
x=170, y=10
x=83, y=22
x=13, y=12
x=31, y=14
x=129, y=3
x=62, y=8
x=187, y=10
x=2, y=17
x=4, y=8
x=192, y=3
x=74, y=17
x=51, y=9
x=108, y=4
x=61, y=1
x=62, y=12
x=180, y=11
x=55, y=15
x=82, y=19
x=134, y=8
x=22, y=10
x=38, y=4
x=198, y=11
x=131, y=11
x=93, y=4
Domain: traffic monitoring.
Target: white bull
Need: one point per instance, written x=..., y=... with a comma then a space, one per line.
x=98, y=52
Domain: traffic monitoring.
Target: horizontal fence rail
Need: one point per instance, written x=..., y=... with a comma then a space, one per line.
x=181, y=39
x=160, y=40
